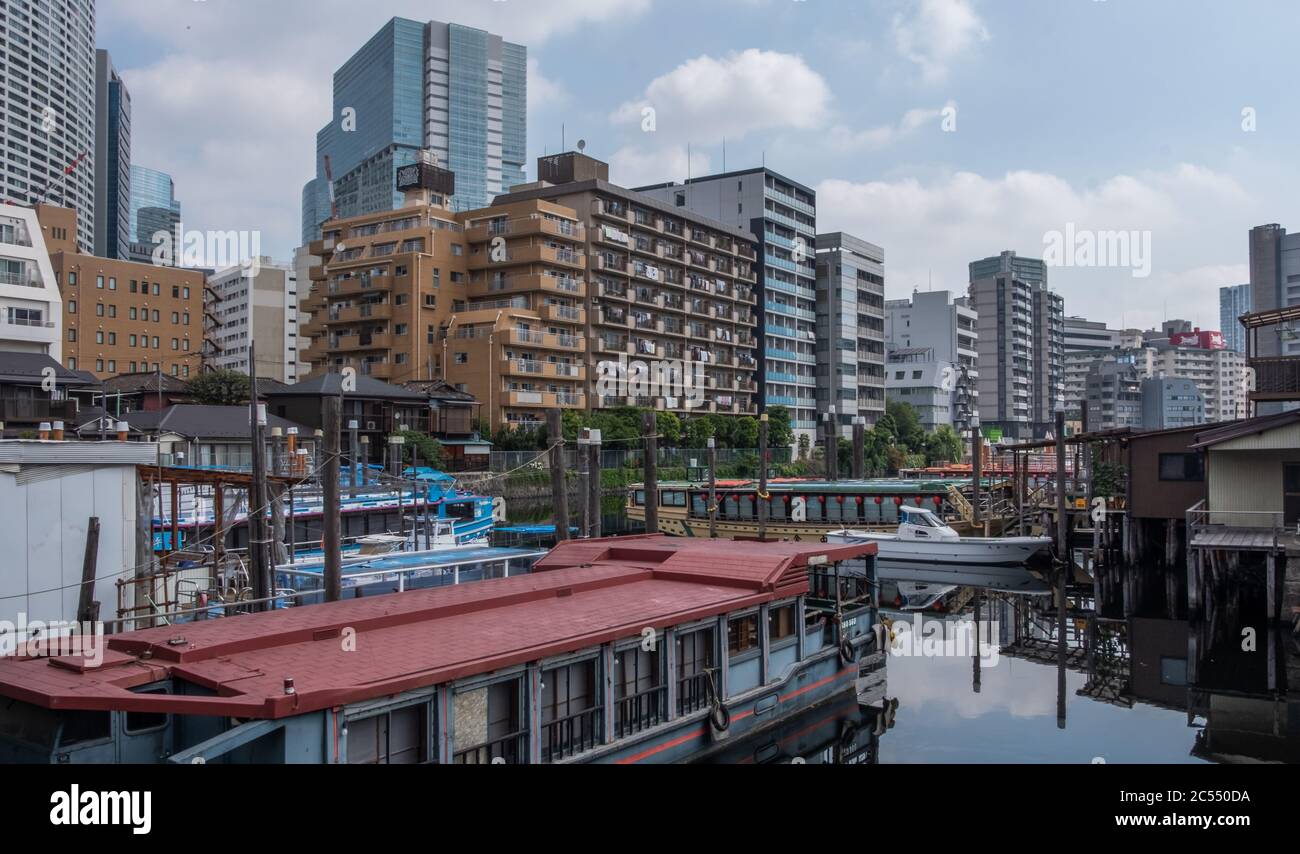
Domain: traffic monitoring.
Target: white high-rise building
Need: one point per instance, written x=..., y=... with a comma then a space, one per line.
x=31, y=308
x=47, y=107
x=931, y=347
x=261, y=308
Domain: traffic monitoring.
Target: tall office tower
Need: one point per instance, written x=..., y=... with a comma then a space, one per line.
x=31, y=308
x=260, y=308
x=783, y=215
x=850, y=329
x=1021, y=345
x=153, y=209
x=1234, y=301
x=1114, y=394
x=934, y=336
x=47, y=107
x=456, y=91
x=1085, y=342
x=112, y=161
x=1274, y=283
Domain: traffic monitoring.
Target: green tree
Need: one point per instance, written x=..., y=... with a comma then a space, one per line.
x=805, y=445
x=219, y=388
x=669, y=427
x=698, y=431
x=429, y=448
x=943, y=446
x=907, y=426
x=779, y=432
x=744, y=432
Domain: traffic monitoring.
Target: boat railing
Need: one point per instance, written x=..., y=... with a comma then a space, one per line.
x=694, y=693
x=830, y=587
x=573, y=734
x=641, y=711
x=510, y=749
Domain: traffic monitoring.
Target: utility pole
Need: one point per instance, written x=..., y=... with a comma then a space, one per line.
x=559, y=484
x=332, y=419
x=649, y=431
x=584, y=485
x=832, y=444
x=1063, y=548
x=354, y=464
x=977, y=477
x=764, y=499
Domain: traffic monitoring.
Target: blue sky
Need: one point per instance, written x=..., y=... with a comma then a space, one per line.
x=1118, y=115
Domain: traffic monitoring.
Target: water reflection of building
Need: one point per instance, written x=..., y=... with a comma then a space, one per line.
x=844, y=731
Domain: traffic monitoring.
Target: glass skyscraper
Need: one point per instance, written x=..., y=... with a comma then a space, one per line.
x=1234, y=301
x=457, y=91
x=112, y=161
x=153, y=208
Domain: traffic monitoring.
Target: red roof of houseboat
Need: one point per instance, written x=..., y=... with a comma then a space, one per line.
x=584, y=593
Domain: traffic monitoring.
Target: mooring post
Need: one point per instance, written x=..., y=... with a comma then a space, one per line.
x=584, y=485
x=559, y=485
x=593, y=497
x=832, y=444
x=1063, y=544
x=87, y=608
x=859, y=448
x=764, y=499
x=977, y=478
x=649, y=431
x=713, y=490
x=354, y=449
x=331, y=543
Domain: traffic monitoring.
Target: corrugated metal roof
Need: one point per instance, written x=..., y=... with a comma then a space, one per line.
x=32, y=452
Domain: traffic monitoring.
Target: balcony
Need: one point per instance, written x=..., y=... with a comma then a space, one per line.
x=36, y=410
x=531, y=254
x=358, y=284
x=529, y=338
x=323, y=248
x=564, y=314
x=527, y=283
x=545, y=399
x=370, y=311
x=1276, y=379
x=533, y=225
x=364, y=341
x=543, y=369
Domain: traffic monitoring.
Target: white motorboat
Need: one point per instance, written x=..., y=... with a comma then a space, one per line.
x=922, y=537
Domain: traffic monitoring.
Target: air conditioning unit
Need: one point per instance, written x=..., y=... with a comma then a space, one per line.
x=370, y=425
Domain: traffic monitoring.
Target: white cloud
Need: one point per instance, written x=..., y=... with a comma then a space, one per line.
x=707, y=98
x=936, y=34
x=542, y=91
x=632, y=166
x=936, y=228
x=847, y=140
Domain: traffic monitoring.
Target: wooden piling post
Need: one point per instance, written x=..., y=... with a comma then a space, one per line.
x=584, y=486
x=87, y=608
x=258, y=537
x=713, y=490
x=859, y=448
x=559, y=484
x=764, y=499
x=977, y=477
x=331, y=543
x=650, y=432
x=594, y=494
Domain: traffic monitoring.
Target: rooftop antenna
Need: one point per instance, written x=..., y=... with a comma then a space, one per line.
x=724, y=159
x=582, y=145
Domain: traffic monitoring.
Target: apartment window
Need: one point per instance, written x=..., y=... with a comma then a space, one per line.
x=429, y=334
x=176, y=369
x=437, y=277
x=176, y=317
x=155, y=289
x=72, y=306
x=99, y=337
x=112, y=338
x=112, y=283
x=99, y=283
x=112, y=366
x=72, y=335
x=185, y=371
x=112, y=311
x=457, y=249
x=457, y=277
x=155, y=315
x=99, y=309
x=72, y=364
x=176, y=344
x=176, y=291
x=401, y=358
x=99, y=366
x=186, y=318
x=131, y=313
x=155, y=343
x=185, y=345
x=400, y=299
x=462, y=358
x=131, y=341
x=135, y=286
x=72, y=279
x=430, y=300
x=185, y=292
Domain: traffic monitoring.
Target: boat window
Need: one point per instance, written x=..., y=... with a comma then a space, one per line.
x=137, y=722
x=461, y=510
x=642, y=698
x=490, y=724
x=742, y=635
x=638, y=498
x=398, y=737
x=780, y=624
x=572, y=716
x=700, y=505
x=673, y=498
x=34, y=725
x=695, y=651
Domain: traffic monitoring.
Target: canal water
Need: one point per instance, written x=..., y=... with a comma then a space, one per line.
x=1126, y=703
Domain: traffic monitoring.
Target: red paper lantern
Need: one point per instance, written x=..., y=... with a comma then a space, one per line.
x=879, y=500
x=938, y=500
x=787, y=499
x=920, y=499
x=839, y=499
x=859, y=500
x=898, y=500
x=735, y=498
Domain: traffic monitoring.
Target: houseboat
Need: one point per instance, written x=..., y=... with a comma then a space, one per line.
x=625, y=650
x=800, y=510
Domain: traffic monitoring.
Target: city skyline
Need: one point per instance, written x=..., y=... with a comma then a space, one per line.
x=1183, y=168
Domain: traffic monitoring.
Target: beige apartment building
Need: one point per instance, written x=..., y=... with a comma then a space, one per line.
x=123, y=317
x=526, y=304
